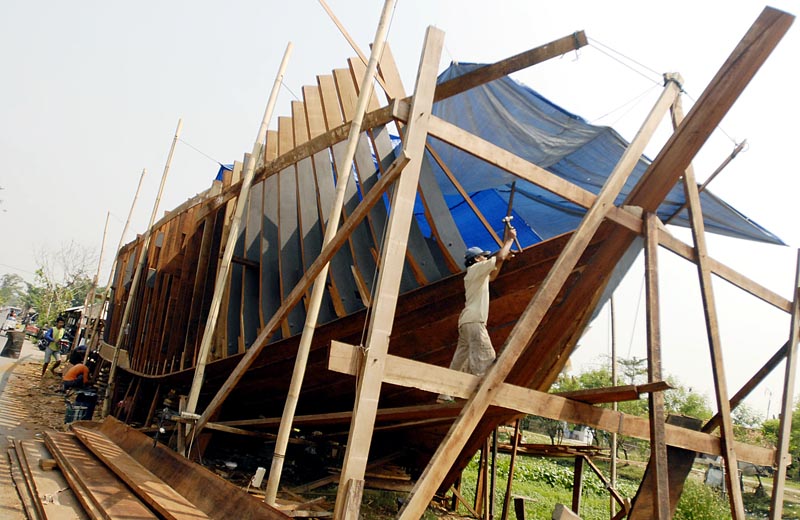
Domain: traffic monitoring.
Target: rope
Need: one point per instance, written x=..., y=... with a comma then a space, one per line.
x=636, y=315
x=284, y=85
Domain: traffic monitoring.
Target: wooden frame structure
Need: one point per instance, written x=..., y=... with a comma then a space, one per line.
x=286, y=217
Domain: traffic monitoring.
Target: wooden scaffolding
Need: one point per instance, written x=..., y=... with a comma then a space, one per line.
x=313, y=140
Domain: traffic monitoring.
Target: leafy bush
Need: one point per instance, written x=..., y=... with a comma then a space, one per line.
x=700, y=502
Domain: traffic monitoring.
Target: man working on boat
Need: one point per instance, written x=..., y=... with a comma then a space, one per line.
x=474, y=351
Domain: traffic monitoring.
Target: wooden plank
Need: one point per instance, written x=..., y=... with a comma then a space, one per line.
x=712, y=330
x=787, y=402
x=614, y=393
x=448, y=237
x=505, y=67
x=435, y=379
x=658, y=445
x=724, y=272
x=679, y=467
x=309, y=222
x=348, y=83
x=748, y=387
x=325, y=256
x=270, y=248
x=49, y=488
x=361, y=242
x=577, y=485
x=530, y=319
x=210, y=495
x=101, y=493
x=383, y=311
x=251, y=293
x=511, y=466
x=20, y=483
x=341, y=283
x=288, y=234
x=418, y=252
x=151, y=489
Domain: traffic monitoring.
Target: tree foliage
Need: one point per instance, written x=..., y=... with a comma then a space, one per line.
x=61, y=281
x=771, y=428
x=12, y=290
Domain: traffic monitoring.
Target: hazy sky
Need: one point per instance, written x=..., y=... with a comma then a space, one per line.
x=93, y=90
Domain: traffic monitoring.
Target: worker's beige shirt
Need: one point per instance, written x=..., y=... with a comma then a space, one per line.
x=476, y=290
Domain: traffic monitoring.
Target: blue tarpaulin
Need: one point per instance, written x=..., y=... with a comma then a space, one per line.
x=518, y=119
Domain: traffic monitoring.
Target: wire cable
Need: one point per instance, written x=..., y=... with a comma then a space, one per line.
x=613, y=54
x=199, y=151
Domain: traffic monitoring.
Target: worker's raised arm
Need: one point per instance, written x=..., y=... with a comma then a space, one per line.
x=502, y=255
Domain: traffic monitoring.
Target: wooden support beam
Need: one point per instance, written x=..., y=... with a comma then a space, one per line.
x=511, y=467
x=712, y=329
x=530, y=319
x=658, y=445
x=223, y=272
x=615, y=393
x=787, y=403
x=372, y=198
x=439, y=380
x=748, y=387
x=392, y=257
x=510, y=65
x=577, y=485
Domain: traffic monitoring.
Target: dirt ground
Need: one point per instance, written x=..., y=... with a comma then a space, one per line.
x=29, y=405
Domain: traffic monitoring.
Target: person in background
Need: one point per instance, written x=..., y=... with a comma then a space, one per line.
x=474, y=350
x=76, y=377
x=53, y=350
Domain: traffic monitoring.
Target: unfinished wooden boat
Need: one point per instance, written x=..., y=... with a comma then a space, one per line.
x=465, y=190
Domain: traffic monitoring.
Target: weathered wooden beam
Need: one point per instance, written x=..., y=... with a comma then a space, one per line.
x=614, y=393
x=658, y=445
x=787, y=403
x=712, y=330
x=406, y=372
x=510, y=65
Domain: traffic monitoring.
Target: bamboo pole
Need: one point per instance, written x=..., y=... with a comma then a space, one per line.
x=233, y=235
x=312, y=313
x=137, y=274
x=784, y=431
x=107, y=292
x=90, y=295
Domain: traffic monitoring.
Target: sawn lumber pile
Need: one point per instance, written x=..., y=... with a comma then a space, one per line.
x=116, y=472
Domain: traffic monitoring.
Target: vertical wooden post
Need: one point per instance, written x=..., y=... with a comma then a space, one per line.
x=392, y=258
x=787, y=402
x=233, y=235
x=658, y=445
x=577, y=485
x=511, y=467
x=530, y=319
x=712, y=329
x=480, y=482
x=318, y=290
x=107, y=293
x=393, y=253
x=614, y=406
x=137, y=274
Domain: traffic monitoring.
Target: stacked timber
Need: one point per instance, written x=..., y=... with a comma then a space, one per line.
x=116, y=472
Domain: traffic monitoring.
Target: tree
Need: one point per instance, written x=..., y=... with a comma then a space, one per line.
x=12, y=289
x=62, y=280
x=771, y=427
